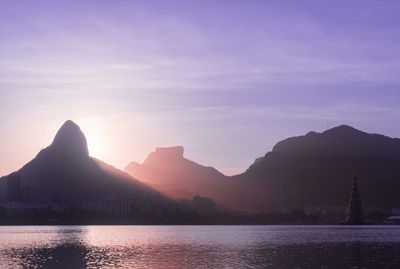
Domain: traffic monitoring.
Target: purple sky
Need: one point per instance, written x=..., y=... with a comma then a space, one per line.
x=226, y=79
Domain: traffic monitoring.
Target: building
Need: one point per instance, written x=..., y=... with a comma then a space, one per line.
x=26, y=194
x=324, y=210
x=354, y=213
x=13, y=191
x=392, y=220
x=396, y=211
x=3, y=188
x=111, y=205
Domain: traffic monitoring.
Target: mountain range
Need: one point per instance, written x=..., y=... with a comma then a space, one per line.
x=313, y=169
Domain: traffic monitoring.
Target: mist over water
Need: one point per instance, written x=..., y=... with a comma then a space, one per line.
x=200, y=247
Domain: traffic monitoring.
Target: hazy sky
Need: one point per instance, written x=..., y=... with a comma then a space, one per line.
x=226, y=79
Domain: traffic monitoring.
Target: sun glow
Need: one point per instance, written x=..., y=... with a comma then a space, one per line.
x=96, y=136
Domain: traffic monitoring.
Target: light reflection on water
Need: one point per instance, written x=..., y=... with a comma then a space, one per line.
x=199, y=247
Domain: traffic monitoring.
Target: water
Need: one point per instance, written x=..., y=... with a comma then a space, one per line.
x=199, y=247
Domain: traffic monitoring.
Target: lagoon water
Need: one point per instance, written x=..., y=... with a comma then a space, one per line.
x=278, y=247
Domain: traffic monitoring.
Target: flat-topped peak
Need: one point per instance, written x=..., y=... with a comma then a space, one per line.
x=164, y=154
x=176, y=151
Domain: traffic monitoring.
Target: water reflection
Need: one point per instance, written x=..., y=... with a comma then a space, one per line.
x=356, y=256
x=58, y=247
x=199, y=247
x=60, y=256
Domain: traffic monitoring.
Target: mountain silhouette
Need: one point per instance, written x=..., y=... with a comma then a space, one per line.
x=340, y=141
x=317, y=169
x=313, y=169
x=70, y=140
x=168, y=171
x=64, y=172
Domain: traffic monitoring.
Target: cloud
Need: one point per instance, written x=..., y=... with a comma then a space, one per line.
x=185, y=72
x=160, y=49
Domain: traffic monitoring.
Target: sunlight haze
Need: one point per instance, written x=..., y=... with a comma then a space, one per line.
x=225, y=79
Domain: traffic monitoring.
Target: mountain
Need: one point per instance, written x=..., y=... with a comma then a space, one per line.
x=65, y=173
x=168, y=171
x=312, y=169
x=317, y=169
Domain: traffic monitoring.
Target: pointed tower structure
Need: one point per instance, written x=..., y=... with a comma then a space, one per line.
x=355, y=214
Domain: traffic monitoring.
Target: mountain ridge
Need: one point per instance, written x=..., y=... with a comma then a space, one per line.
x=168, y=171
x=315, y=168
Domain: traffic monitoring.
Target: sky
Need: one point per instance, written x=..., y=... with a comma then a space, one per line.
x=227, y=79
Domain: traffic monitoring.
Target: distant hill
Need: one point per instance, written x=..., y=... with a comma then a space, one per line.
x=317, y=168
x=168, y=171
x=65, y=173
x=313, y=169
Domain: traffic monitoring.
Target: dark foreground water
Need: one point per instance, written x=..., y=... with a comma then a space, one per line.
x=200, y=247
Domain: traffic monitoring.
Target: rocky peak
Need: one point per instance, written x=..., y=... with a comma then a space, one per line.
x=164, y=154
x=70, y=138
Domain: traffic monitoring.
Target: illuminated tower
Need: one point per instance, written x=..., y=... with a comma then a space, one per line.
x=354, y=214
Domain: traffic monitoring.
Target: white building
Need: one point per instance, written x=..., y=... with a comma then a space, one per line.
x=393, y=220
